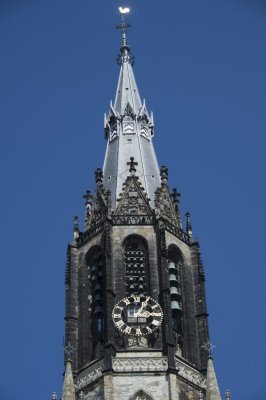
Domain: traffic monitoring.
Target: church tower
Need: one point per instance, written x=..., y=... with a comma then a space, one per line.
x=136, y=322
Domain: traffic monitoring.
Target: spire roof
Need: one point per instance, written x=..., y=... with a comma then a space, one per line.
x=212, y=390
x=127, y=90
x=129, y=131
x=68, y=392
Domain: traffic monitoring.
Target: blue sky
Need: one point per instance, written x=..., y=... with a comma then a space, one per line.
x=201, y=67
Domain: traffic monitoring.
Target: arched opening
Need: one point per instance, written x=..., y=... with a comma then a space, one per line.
x=175, y=265
x=136, y=270
x=95, y=266
x=141, y=395
x=135, y=253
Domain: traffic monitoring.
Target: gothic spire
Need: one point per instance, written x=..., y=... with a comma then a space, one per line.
x=129, y=130
x=212, y=390
x=127, y=92
x=68, y=392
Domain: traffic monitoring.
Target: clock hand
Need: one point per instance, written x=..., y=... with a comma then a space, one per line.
x=147, y=314
x=144, y=303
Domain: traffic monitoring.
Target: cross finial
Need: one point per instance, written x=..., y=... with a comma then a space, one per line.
x=69, y=350
x=227, y=395
x=76, y=227
x=87, y=196
x=208, y=346
x=124, y=25
x=125, y=55
x=132, y=164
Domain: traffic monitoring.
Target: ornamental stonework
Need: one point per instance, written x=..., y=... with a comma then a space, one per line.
x=140, y=364
x=190, y=374
x=88, y=378
x=133, y=201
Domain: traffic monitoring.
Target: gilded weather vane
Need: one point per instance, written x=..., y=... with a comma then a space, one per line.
x=125, y=55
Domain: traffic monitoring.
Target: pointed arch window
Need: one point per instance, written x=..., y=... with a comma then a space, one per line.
x=95, y=263
x=141, y=395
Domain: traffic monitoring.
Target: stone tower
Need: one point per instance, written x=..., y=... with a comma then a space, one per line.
x=136, y=322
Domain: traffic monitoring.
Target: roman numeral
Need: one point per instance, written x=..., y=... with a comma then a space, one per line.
x=119, y=324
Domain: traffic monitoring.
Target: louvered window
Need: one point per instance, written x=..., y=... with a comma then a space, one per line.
x=135, y=261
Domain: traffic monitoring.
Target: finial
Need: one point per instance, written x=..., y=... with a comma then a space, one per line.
x=76, y=227
x=175, y=196
x=69, y=350
x=201, y=396
x=81, y=395
x=132, y=164
x=227, y=395
x=164, y=174
x=54, y=396
x=208, y=346
x=87, y=196
x=188, y=225
x=201, y=267
x=125, y=56
x=99, y=177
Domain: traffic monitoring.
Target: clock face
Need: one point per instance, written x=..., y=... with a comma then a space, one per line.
x=137, y=316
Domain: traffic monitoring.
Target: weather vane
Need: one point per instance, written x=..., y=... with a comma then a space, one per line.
x=125, y=55
x=124, y=25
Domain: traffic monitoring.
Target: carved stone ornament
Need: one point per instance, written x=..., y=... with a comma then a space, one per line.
x=99, y=208
x=190, y=374
x=145, y=130
x=88, y=378
x=164, y=205
x=140, y=364
x=133, y=200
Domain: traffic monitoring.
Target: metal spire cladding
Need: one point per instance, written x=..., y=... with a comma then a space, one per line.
x=129, y=131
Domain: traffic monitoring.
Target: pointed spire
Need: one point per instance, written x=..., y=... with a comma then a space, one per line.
x=76, y=227
x=188, y=225
x=88, y=204
x=212, y=390
x=129, y=130
x=68, y=392
x=99, y=177
x=227, y=395
x=127, y=91
x=164, y=174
